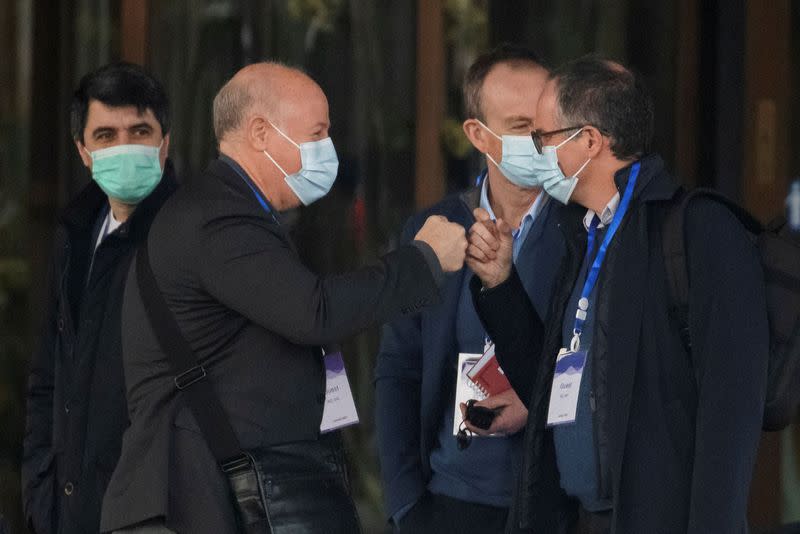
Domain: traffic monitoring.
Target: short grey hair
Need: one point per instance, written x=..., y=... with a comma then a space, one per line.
x=230, y=106
x=596, y=91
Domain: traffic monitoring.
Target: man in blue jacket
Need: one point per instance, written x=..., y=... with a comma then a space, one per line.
x=430, y=484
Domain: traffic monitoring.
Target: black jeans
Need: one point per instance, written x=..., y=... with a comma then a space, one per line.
x=437, y=514
x=154, y=526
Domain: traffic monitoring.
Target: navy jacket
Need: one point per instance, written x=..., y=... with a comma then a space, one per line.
x=676, y=434
x=416, y=364
x=76, y=410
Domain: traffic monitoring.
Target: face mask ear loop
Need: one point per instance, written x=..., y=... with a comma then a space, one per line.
x=582, y=167
x=490, y=158
x=160, y=146
x=488, y=129
x=276, y=163
x=87, y=152
x=568, y=139
x=284, y=136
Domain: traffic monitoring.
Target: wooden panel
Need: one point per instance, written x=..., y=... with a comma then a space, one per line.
x=766, y=135
x=429, y=177
x=134, y=22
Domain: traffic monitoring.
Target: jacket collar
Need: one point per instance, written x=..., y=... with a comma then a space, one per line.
x=81, y=214
x=653, y=184
x=228, y=174
x=471, y=198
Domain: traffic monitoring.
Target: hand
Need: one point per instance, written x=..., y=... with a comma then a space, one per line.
x=448, y=240
x=510, y=419
x=491, y=249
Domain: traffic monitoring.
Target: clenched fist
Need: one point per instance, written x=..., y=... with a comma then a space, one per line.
x=491, y=247
x=448, y=240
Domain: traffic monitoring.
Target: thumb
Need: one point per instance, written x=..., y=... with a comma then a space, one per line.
x=505, y=231
x=493, y=402
x=481, y=215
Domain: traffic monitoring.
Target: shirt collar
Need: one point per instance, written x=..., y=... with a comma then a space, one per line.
x=530, y=215
x=605, y=217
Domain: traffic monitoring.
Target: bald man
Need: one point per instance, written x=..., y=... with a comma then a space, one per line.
x=255, y=318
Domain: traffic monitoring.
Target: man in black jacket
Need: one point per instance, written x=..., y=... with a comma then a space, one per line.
x=630, y=429
x=253, y=314
x=76, y=394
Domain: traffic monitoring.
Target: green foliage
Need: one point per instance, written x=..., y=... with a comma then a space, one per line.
x=321, y=13
x=454, y=140
x=467, y=24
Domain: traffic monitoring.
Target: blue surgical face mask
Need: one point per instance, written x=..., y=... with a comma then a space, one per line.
x=551, y=177
x=319, y=165
x=128, y=173
x=517, y=161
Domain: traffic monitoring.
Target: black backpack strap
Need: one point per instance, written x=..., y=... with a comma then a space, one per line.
x=674, y=249
x=190, y=376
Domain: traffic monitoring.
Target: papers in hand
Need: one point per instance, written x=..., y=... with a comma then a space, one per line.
x=487, y=374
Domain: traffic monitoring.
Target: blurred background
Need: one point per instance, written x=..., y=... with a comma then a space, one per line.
x=722, y=73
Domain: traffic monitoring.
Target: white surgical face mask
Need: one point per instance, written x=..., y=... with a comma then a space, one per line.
x=550, y=175
x=319, y=166
x=517, y=160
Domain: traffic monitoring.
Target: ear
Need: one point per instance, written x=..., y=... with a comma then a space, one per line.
x=164, y=152
x=594, y=140
x=82, y=153
x=258, y=132
x=477, y=135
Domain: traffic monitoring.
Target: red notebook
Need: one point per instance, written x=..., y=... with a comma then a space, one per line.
x=487, y=375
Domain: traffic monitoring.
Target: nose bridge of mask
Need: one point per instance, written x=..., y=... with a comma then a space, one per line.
x=131, y=149
x=313, y=152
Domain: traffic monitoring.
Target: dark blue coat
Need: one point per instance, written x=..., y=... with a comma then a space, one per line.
x=676, y=434
x=416, y=362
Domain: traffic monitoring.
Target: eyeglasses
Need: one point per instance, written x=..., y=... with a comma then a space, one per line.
x=538, y=136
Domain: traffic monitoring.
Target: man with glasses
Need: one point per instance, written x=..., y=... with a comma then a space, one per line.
x=631, y=428
x=431, y=484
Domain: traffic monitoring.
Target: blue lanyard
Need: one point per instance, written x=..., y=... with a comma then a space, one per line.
x=481, y=177
x=261, y=200
x=594, y=272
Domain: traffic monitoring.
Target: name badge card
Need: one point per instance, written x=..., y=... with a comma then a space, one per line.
x=566, y=386
x=465, y=388
x=340, y=408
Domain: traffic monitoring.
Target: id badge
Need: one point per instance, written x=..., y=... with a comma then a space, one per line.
x=340, y=408
x=566, y=386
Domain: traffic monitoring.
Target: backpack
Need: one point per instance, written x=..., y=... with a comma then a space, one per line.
x=779, y=249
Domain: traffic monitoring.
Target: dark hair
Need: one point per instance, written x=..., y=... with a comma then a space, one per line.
x=117, y=85
x=473, y=82
x=599, y=92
